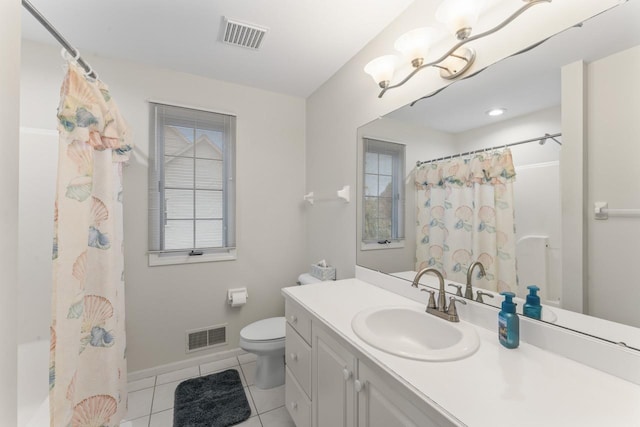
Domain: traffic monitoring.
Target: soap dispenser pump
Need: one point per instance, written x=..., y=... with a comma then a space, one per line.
x=508, y=322
x=532, y=307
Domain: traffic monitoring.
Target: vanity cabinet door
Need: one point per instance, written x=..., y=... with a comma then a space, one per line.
x=380, y=405
x=333, y=374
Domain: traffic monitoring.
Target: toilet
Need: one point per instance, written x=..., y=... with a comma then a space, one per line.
x=266, y=338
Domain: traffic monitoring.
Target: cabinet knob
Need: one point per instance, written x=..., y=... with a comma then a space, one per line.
x=293, y=318
x=294, y=357
x=359, y=386
x=346, y=374
x=294, y=406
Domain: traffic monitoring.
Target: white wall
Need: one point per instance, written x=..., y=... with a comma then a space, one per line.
x=613, y=287
x=163, y=302
x=573, y=181
x=9, y=122
x=517, y=129
x=349, y=99
x=38, y=152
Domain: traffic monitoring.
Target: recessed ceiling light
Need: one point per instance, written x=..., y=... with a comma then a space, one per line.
x=496, y=111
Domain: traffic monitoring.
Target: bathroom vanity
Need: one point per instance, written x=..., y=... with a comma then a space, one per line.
x=334, y=378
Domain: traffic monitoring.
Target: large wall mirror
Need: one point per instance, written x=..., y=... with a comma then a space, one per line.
x=529, y=86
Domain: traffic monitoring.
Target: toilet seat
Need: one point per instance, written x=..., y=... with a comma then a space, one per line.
x=266, y=330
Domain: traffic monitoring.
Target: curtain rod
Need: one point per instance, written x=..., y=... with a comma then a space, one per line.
x=541, y=139
x=65, y=44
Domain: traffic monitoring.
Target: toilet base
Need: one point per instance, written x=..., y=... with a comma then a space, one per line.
x=269, y=371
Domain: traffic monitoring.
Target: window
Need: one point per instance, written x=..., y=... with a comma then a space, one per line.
x=192, y=185
x=383, y=212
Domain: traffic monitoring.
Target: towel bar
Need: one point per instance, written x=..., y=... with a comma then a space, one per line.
x=602, y=211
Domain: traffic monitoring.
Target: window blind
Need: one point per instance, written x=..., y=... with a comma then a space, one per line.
x=191, y=180
x=383, y=204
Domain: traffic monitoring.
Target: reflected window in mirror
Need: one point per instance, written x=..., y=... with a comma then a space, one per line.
x=383, y=195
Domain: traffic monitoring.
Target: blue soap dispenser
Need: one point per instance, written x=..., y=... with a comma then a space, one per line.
x=508, y=322
x=532, y=307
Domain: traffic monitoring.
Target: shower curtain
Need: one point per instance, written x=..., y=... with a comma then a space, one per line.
x=465, y=214
x=87, y=373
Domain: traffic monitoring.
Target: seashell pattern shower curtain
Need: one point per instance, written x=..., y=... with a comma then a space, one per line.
x=87, y=372
x=465, y=214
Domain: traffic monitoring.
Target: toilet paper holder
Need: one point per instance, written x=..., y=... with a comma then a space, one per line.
x=237, y=296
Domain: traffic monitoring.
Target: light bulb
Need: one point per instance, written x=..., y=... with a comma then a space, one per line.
x=460, y=15
x=381, y=69
x=414, y=45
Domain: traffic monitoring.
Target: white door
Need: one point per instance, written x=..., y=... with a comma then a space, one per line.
x=380, y=406
x=333, y=376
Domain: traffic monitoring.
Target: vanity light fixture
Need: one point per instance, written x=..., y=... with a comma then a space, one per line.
x=459, y=16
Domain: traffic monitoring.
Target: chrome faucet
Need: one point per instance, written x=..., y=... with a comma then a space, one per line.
x=468, y=290
x=440, y=309
x=480, y=294
x=442, y=302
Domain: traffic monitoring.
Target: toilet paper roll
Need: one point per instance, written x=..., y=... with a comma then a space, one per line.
x=238, y=299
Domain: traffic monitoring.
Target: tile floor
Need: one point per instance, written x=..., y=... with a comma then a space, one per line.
x=151, y=399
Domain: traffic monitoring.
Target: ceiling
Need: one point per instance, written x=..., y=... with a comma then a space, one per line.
x=525, y=83
x=307, y=42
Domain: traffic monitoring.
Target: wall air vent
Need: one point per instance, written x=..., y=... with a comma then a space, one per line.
x=243, y=35
x=212, y=336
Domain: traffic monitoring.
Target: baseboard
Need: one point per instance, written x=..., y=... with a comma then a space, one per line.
x=181, y=364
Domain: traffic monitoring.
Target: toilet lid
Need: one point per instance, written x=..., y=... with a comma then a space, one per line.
x=264, y=330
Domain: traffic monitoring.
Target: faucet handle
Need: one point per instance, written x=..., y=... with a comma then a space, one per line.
x=432, y=300
x=479, y=295
x=458, y=289
x=451, y=311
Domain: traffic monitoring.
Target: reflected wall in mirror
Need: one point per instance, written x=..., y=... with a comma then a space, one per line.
x=538, y=90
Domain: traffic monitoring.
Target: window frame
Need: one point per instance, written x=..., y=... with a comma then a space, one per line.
x=398, y=154
x=158, y=254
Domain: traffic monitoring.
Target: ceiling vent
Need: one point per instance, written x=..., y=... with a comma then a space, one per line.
x=243, y=35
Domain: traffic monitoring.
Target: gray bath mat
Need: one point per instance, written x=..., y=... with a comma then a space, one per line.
x=217, y=400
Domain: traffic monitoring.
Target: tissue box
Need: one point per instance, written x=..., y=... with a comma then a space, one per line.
x=323, y=273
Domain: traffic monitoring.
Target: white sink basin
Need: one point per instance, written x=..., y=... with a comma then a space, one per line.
x=413, y=334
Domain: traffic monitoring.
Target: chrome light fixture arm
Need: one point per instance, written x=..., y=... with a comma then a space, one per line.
x=467, y=55
x=434, y=63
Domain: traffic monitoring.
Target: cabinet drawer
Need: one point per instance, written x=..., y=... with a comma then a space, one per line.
x=298, y=318
x=298, y=357
x=297, y=402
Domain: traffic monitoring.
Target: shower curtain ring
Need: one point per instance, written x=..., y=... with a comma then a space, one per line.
x=66, y=55
x=89, y=73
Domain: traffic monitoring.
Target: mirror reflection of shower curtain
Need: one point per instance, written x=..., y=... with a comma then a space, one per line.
x=465, y=214
x=87, y=374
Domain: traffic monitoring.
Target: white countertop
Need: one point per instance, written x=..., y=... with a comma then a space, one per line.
x=613, y=331
x=495, y=386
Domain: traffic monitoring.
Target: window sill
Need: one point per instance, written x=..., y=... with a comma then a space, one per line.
x=156, y=259
x=396, y=244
